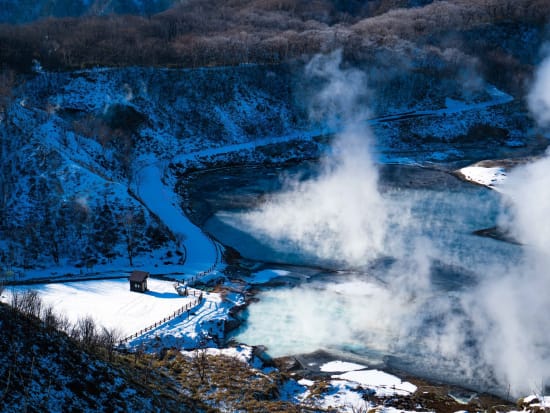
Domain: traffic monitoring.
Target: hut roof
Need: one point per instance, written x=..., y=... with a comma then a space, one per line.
x=139, y=276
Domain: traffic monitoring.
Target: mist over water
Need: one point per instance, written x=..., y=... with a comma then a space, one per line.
x=489, y=332
x=516, y=300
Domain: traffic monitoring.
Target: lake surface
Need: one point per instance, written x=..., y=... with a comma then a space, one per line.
x=410, y=306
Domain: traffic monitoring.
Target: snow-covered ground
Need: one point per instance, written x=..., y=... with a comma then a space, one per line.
x=353, y=375
x=341, y=366
x=490, y=177
x=382, y=383
x=110, y=302
x=347, y=389
x=206, y=322
x=241, y=353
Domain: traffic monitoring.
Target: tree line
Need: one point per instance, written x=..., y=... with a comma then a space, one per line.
x=218, y=32
x=85, y=332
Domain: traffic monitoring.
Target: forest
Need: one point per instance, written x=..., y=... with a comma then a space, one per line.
x=196, y=33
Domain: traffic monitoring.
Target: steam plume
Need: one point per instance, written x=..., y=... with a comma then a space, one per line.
x=495, y=333
x=340, y=214
x=539, y=96
x=517, y=302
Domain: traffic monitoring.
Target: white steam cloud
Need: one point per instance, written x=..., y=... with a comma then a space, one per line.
x=539, y=97
x=528, y=191
x=517, y=301
x=495, y=332
x=340, y=214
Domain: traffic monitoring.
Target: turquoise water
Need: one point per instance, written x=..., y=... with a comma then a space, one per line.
x=409, y=308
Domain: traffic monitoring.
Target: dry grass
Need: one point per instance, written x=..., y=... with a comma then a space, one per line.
x=220, y=382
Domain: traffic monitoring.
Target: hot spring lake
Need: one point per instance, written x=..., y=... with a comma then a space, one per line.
x=414, y=307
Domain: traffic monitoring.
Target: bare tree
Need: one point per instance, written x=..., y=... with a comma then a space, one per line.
x=28, y=303
x=85, y=331
x=133, y=223
x=200, y=361
x=63, y=323
x=129, y=225
x=109, y=339
x=49, y=318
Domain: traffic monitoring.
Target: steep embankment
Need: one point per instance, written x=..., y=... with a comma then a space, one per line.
x=42, y=369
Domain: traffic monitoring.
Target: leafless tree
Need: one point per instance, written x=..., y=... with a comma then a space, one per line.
x=129, y=224
x=28, y=303
x=85, y=331
x=109, y=339
x=200, y=360
x=49, y=318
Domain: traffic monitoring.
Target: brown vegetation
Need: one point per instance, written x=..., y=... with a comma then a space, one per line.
x=220, y=32
x=227, y=382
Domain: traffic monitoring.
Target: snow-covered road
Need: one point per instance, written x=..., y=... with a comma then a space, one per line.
x=202, y=252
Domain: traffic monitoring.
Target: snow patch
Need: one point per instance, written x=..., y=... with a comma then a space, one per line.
x=306, y=382
x=201, y=327
x=341, y=366
x=241, y=353
x=383, y=383
x=491, y=177
x=160, y=199
x=262, y=277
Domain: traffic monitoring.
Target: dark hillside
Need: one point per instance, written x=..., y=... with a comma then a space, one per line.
x=43, y=370
x=25, y=11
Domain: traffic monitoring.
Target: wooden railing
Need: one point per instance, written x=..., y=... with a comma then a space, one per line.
x=189, y=282
x=196, y=301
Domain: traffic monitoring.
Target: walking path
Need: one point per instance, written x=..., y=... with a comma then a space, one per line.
x=202, y=251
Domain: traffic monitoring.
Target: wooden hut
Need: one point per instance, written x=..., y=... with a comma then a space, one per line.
x=138, y=281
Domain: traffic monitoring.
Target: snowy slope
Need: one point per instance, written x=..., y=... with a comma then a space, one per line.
x=75, y=119
x=101, y=152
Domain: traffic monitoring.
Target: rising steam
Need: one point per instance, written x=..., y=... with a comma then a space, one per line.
x=496, y=331
x=340, y=214
x=517, y=302
x=539, y=96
